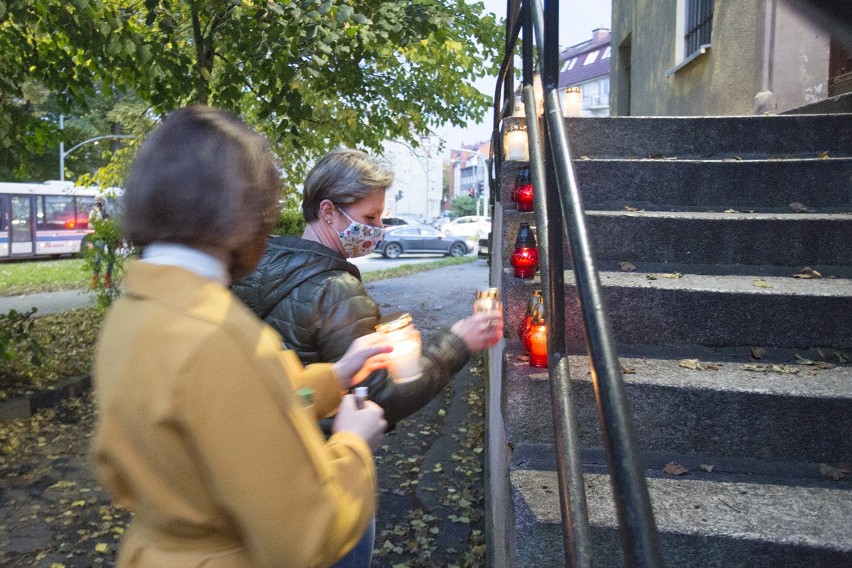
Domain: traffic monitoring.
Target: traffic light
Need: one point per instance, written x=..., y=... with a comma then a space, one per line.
x=470, y=192
x=480, y=189
x=398, y=195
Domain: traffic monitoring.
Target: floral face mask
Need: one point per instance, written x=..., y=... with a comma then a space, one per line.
x=359, y=239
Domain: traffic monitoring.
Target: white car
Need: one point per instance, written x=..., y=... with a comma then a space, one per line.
x=471, y=227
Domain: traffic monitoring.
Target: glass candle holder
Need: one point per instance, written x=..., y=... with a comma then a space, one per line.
x=404, y=362
x=537, y=340
x=522, y=194
x=534, y=299
x=487, y=300
x=524, y=258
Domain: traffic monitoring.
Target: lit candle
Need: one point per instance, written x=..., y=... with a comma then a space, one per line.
x=516, y=144
x=527, y=319
x=404, y=362
x=524, y=258
x=572, y=101
x=522, y=194
x=538, y=342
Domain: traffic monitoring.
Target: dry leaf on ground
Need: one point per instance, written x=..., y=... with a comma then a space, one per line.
x=730, y=211
x=627, y=266
x=808, y=273
x=761, y=284
x=801, y=208
x=629, y=208
x=672, y=275
x=832, y=472
x=757, y=353
x=824, y=155
x=628, y=370
x=712, y=367
x=694, y=364
x=674, y=468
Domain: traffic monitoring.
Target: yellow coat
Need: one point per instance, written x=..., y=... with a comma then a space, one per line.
x=202, y=436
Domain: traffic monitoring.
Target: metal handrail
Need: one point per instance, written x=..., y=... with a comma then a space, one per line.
x=551, y=166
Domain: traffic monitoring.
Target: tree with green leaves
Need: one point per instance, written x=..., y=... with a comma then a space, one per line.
x=310, y=74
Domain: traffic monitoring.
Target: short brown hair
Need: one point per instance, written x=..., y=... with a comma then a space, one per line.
x=202, y=178
x=343, y=177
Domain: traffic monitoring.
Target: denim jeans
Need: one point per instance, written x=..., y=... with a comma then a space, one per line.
x=362, y=555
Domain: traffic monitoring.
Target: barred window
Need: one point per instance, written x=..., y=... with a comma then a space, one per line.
x=699, y=24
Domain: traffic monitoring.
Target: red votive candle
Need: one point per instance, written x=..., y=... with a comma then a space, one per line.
x=522, y=194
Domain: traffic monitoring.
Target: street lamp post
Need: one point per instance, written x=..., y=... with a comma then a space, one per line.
x=63, y=153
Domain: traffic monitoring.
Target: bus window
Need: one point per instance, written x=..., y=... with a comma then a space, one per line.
x=56, y=213
x=4, y=216
x=83, y=205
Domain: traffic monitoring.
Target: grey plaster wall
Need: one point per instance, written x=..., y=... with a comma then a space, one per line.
x=756, y=45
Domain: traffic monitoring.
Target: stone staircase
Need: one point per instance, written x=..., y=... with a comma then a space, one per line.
x=734, y=368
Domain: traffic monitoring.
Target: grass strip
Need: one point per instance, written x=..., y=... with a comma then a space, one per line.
x=42, y=276
x=407, y=269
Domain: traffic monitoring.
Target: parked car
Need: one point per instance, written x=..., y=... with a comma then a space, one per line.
x=445, y=218
x=471, y=227
x=421, y=238
x=401, y=220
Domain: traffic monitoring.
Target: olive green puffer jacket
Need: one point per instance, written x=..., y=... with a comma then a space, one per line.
x=315, y=299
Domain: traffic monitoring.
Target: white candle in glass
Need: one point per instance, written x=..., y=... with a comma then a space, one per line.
x=516, y=146
x=404, y=361
x=572, y=102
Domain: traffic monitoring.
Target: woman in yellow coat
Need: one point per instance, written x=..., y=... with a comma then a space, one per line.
x=201, y=433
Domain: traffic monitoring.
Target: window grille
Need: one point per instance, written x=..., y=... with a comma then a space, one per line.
x=699, y=24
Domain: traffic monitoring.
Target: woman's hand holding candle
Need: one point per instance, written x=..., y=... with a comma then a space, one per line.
x=368, y=353
x=481, y=330
x=368, y=422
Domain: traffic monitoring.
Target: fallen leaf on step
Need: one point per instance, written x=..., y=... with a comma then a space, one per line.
x=807, y=273
x=626, y=266
x=761, y=284
x=831, y=472
x=824, y=156
x=694, y=364
x=730, y=211
x=758, y=353
x=651, y=276
x=774, y=368
x=802, y=361
x=707, y=468
x=801, y=208
x=629, y=208
x=672, y=275
x=654, y=156
x=584, y=157
x=712, y=367
x=674, y=468
x=628, y=370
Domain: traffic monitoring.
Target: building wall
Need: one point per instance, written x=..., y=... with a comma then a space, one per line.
x=791, y=59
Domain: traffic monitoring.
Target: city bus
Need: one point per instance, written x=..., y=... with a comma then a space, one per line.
x=46, y=219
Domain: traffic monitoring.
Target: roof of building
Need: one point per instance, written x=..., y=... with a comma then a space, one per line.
x=585, y=61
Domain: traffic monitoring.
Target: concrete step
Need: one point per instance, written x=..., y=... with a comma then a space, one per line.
x=716, y=185
x=727, y=409
x=702, y=521
x=822, y=185
x=714, y=311
x=711, y=137
x=790, y=240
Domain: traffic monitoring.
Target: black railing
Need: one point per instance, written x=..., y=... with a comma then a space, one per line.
x=699, y=24
x=558, y=207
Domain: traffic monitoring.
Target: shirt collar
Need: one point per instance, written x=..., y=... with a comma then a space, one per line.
x=200, y=263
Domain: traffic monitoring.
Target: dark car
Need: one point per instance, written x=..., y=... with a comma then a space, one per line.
x=420, y=238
